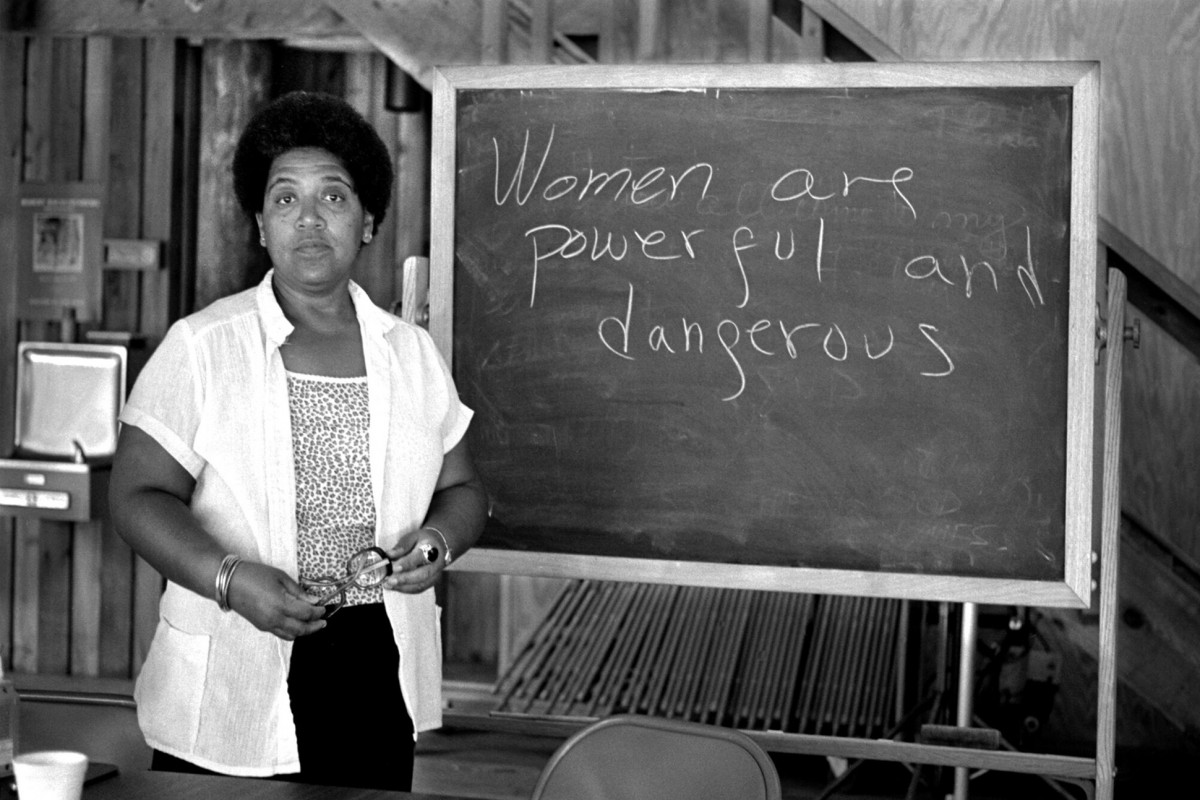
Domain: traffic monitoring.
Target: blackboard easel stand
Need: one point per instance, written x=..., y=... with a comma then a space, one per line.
x=1096, y=778
x=1111, y=335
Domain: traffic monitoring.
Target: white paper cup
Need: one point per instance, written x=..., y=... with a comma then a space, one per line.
x=50, y=775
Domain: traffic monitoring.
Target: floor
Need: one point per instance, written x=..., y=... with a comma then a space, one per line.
x=493, y=765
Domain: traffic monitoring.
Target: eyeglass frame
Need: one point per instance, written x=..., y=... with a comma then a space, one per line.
x=330, y=588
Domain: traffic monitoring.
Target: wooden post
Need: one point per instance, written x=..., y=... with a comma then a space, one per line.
x=412, y=190
x=234, y=84
x=494, y=32
x=650, y=31
x=1110, y=539
x=158, y=188
x=541, y=31
x=12, y=67
x=414, y=305
x=86, y=551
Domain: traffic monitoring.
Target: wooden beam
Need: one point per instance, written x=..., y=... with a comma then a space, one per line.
x=1166, y=299
x=417, y=34
x=853, y=30
x=213, y=19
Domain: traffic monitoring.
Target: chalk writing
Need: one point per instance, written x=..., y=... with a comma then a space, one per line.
x=703, y=251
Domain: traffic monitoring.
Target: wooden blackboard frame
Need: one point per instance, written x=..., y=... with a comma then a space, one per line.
x=1081, y=78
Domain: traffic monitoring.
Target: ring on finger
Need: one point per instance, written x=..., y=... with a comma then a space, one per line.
x=429, y=552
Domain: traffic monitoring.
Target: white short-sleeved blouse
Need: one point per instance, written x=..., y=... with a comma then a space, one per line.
x=214, y=394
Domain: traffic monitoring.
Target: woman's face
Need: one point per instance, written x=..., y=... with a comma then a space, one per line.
x=312, y=222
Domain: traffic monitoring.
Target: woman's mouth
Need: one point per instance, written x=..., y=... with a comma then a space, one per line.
x=311, y=246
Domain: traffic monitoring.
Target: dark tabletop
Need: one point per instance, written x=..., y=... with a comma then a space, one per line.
x=178, y=786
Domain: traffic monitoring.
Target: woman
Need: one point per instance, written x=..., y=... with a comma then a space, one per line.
x=271, y=437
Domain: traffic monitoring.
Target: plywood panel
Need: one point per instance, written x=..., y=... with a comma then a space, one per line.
x=1157, y=623
x=1150, y=56
x=1161, y=439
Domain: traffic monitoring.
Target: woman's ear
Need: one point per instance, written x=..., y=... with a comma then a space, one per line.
x=262, y=234
x=368, y=227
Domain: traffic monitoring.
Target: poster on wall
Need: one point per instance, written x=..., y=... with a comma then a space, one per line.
x=59, y=250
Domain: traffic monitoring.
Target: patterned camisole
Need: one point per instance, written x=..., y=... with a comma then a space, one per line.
x=335, y=509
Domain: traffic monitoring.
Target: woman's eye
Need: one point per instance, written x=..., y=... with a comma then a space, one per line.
x=334, y=197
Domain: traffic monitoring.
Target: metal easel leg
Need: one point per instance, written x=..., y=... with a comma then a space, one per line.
x=966, y=688
x=941, y=672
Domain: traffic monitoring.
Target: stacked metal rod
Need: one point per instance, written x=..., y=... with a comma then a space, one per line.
x=752, y=660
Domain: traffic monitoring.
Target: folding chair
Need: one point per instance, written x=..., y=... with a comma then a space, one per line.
x=632, y=757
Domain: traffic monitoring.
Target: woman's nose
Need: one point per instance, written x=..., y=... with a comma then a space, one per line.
x=310, y=215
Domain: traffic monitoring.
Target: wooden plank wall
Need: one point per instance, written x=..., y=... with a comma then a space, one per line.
x=76, y=597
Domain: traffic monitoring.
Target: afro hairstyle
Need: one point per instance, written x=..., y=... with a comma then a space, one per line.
x=311, y=119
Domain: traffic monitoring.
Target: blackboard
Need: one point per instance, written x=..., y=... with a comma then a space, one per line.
x=826, y=328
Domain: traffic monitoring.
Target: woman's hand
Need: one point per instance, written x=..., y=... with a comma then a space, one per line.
x=412, y=572
x=272, y=602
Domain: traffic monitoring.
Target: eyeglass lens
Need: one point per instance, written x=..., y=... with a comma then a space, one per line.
x=369, y=567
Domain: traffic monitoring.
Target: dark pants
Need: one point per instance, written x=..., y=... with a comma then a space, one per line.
x=351, y=721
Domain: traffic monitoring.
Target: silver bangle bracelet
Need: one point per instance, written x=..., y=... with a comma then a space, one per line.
x=445, y=544
x=224, y=575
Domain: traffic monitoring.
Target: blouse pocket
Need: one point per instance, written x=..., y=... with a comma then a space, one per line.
x=170, y=688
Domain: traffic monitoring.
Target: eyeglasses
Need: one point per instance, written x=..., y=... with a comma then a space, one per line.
x=366, y=569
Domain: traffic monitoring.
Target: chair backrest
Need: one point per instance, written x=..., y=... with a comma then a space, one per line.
x=631, y=757
x=102, y=725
